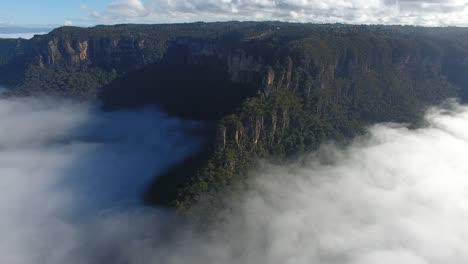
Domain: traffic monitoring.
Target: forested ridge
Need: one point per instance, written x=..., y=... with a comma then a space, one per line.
x=271, y=90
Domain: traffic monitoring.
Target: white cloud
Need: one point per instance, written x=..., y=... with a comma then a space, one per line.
x=71, y=175
x=419, y=12
x=393, y=196
x=123, y=10
x=20, y=35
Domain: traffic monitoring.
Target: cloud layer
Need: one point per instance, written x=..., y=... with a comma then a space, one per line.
x=70, y=176
x=20, y=35
x=393, y=196
x=20, y=32
x=413, y=12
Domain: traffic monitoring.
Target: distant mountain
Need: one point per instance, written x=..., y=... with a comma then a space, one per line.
x=21, y=32
x=17, y=30
x=271, y=89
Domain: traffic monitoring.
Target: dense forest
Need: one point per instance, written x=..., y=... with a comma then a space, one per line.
x=270, y=90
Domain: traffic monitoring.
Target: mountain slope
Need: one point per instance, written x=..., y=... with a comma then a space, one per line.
x=272, y=89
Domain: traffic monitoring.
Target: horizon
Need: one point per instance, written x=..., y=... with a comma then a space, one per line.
x=32, y=29
x=427, y=13
x=24, y=32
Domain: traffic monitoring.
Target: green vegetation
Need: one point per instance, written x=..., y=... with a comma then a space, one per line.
x=79, y=81
x=300, y=127
x=274, y=90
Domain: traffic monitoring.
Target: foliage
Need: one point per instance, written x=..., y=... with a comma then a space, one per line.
x=274, y=89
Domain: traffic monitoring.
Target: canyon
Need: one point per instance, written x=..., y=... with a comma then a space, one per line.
x=265, y=89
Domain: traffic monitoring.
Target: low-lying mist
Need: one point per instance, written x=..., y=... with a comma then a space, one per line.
x=70, y=177
x=394, y=195
x=67, y=170
x=20, y=35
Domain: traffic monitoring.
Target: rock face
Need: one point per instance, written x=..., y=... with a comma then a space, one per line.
x=102, y=52
x=63, y=50
x=304, y=60
x=295, y=57
x=272, y=88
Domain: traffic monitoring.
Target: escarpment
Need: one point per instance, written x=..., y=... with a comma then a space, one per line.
x=270, y=89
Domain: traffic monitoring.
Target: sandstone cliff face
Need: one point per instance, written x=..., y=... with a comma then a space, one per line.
x=288, y=86
x=129, y=51
x=122, y=54
x=253, y=130
x=303, y=78
x=311, y=67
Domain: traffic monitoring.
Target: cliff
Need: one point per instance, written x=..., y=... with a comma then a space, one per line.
x=272, y=89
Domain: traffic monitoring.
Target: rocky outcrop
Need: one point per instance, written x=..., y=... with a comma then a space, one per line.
x=271, y=88
x=101, y=52
x=266, y=129
x=243, y=67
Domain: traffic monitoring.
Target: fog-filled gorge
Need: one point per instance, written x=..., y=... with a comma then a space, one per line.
x=68, y=169
x=71, y=178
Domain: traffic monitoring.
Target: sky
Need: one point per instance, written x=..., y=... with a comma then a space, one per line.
x=87, y=13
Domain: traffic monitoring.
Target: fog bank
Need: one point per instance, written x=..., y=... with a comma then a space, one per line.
x=20, y=35
x=69, y=171
x=393, y=196
x=70, y=174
